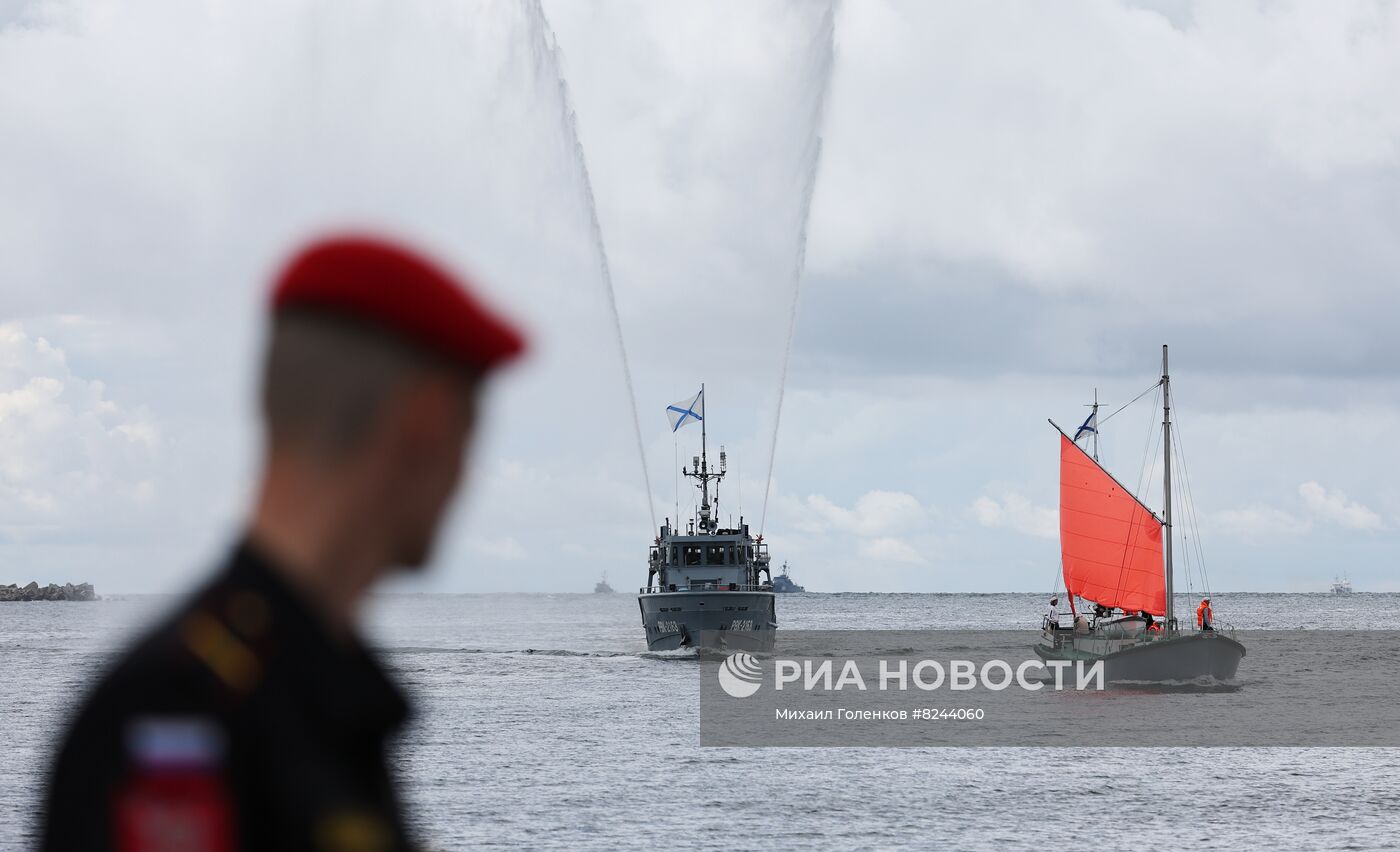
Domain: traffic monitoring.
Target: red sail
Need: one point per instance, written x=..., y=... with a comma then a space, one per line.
x=1110, y=544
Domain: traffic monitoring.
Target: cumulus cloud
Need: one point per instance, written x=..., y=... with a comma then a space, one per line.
x=1013, y=511
x=874, y=513
x=1319, y=505
x=506, y=548
x=858, y=546
x=1330, y=504
x=887, y=549
x=1260, y=521
x=72, y=456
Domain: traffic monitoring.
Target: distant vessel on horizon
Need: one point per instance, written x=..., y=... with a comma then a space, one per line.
x=1341, y=586
x=783, y=584
x=602, y=587
x=1116, y=553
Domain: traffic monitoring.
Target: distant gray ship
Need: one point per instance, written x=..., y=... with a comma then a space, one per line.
x=706, y=586
x=602, y=587
x=783, y=584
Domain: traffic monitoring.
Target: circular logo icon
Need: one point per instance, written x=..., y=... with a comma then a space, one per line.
x=740, y=675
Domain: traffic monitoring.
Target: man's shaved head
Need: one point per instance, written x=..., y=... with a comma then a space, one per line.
x=374, y=361
x=327, y=381
x=373, y=414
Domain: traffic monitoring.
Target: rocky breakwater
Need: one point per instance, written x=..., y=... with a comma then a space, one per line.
x=51, y=592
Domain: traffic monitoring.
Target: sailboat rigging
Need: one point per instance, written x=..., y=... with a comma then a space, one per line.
x=1117, y=554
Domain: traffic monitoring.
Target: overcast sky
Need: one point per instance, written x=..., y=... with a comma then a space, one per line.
x=1014, y=204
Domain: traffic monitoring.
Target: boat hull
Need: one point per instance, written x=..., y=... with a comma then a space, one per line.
x=715, y=620
x=1180, y=658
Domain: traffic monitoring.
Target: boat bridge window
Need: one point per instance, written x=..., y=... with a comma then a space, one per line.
x=692, y=554
x=714, y=554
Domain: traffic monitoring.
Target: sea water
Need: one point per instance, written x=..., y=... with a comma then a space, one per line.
x=542, y=720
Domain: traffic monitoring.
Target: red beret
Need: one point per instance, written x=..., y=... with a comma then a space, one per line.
x=399, y=291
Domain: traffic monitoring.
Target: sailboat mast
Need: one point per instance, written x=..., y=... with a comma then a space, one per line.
x=1096, y=424
x=1167, y=479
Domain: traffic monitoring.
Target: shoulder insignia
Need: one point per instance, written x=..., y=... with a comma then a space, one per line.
x=223, y=652
x=353, y=830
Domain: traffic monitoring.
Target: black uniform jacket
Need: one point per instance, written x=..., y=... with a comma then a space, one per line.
x=240, y=723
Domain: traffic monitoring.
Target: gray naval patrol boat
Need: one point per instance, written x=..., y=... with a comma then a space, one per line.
x=1116, y=553
x=784, y=584
x=708, y=587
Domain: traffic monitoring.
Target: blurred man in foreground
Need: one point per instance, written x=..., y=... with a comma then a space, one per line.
x=254, y=718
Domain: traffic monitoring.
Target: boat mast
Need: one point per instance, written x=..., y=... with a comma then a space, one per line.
x=1096, y=424
x=703, y=461
x=704, y=466
x=708, y=519
x=1167, y=479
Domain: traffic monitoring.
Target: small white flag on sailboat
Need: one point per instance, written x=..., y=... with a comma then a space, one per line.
x=687, y=411
x=1090, y=427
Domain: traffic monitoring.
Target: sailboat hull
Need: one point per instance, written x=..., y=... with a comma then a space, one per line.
x=1186, y=657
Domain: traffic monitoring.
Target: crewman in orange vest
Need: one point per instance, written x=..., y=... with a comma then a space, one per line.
x=1151, y=624
x=1203, y=615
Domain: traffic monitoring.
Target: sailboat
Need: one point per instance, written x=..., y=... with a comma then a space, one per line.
x=1116, y=553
